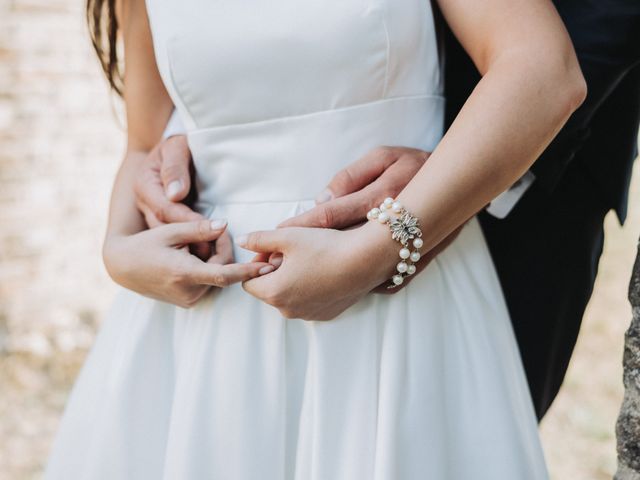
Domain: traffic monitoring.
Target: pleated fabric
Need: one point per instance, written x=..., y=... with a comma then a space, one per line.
x=426, y=383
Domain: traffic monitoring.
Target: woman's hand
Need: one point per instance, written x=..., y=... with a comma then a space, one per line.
x=323, y=271
x=157, y=263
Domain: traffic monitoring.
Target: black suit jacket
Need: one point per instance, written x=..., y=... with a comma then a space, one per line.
x=546, y=251
x=606, y=36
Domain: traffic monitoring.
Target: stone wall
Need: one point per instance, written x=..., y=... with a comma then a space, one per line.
x=628, y=425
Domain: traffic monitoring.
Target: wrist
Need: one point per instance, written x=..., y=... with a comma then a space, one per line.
x=380, y=252
x=115, y=256
x=404, y=229
x=110, y=256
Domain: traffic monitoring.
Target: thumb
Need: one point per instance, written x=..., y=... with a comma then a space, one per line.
x=193, y=232
x=175, y=167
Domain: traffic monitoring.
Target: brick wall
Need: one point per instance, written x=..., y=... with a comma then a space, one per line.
x=60, y=143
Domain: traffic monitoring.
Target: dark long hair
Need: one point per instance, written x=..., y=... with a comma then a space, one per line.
x=103, y=30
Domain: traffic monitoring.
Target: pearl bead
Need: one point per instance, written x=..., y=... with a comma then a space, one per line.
x=373, y=214
x=383, y=206
x=396, y=207
x=383, y=217
x=405, y=253
x=415, y=256
x=417, y=242
x=402, y=267
x=411, y=269
x=397, y=279
x=388, y=201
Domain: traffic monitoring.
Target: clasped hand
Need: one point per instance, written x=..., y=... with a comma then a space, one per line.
x=306, y=268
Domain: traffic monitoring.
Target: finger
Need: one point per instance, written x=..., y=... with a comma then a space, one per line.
x=276, y=259
x=150, y=219
x=223, y=250
x=193, y=232
x=202, y=250
x=362, y=172
x=266, y=240
x=174, y=170
x=225, y=275
x=351, y=209
x=342, y=212
x=152, y=197
x=177, y=213
x=357, y=175
x=257, y=287
x=262, y=257
x=150, y=192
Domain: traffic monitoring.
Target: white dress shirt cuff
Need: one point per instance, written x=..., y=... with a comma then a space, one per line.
x=504, y=203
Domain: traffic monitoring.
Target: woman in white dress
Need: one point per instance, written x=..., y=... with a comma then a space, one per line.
x=298, y=372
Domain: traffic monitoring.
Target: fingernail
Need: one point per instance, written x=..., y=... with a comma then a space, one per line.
x=266, y=269
x=324, y=196
x=174, y=188
x=218, y=224
x=276, y=261
x=241, y=240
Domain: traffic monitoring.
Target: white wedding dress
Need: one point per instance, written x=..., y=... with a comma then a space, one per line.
x=425, y=384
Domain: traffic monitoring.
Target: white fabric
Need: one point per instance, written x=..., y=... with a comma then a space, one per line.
x=502, y=205
x=174, y=126
x=423, y=384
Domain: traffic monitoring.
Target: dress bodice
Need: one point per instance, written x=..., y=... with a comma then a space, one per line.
x=231, y=62
x=278, y=96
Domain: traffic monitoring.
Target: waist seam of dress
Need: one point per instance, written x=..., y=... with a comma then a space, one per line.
x=301, y=116
x=212, y=206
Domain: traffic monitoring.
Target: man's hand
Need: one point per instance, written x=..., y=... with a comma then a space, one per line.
x=164, y=181
x=382, y=173
x=355, y=190
x=162, y=187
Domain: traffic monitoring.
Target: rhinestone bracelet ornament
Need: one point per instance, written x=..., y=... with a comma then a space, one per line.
x=405, y=229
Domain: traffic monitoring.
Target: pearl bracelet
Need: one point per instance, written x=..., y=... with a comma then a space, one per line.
x=404, y=228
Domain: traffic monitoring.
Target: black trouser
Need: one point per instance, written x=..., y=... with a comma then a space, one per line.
x=546, y=253
x=547, y=250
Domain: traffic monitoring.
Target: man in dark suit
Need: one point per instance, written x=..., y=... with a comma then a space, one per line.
x=547, y=249
x=547, y=245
